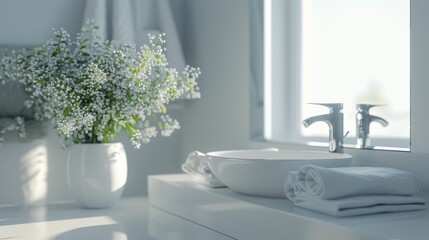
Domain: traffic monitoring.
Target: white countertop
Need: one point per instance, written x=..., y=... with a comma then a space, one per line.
x=131, y=218
x=246, y=217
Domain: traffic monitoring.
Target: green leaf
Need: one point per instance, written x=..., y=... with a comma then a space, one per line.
x=130, y=128
x=134, y=70
x=136, y=119
x=117, y=127
x=56, y=52
x=85, y=54
x=84, y=41
x=66, y=111
x=38, y=52
x=164, y=109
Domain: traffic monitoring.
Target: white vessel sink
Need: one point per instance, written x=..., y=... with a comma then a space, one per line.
x=263, y=173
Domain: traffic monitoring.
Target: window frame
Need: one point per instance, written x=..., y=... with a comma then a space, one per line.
x=281, y=105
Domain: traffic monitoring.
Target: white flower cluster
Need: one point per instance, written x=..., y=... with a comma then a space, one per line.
x=16, y=124
x=92, y=89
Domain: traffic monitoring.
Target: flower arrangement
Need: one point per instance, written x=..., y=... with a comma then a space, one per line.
x=92, y=89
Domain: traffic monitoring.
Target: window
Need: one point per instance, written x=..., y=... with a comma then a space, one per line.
x=349, y=51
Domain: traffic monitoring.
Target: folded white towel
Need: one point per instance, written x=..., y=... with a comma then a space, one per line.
x=360, y=205
x=345, y=192
x=197, y=166
x=331, y=183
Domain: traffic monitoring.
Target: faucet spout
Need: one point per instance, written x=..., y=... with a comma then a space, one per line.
x=335, y=123
x=321, y=118
x=380, y=120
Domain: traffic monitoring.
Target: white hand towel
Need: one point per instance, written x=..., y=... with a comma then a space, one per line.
x=197, y=166
x=331, y=183
x=359, y=205
x=353, y=194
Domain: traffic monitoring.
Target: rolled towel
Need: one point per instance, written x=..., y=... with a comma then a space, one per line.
x=196, y=165
x=345, y=192
x=331, y=183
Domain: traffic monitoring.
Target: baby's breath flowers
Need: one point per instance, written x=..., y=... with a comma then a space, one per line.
x=16, y=124
x=92, y=89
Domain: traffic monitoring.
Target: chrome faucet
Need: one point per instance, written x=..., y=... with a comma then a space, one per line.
x=334, y=119
x=363, y=120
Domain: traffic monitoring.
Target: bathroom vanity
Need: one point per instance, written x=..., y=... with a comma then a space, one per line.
x=247, y=217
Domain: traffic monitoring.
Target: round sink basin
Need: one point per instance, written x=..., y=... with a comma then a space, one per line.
x=263, y=173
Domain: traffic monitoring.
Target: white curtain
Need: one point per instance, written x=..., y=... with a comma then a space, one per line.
x=131, y=20
x=257, y=68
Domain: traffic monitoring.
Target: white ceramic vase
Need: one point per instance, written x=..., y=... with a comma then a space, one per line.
x=97, y=173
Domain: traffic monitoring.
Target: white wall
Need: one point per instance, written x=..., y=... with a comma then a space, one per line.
x=26, y=22
x=218, y=42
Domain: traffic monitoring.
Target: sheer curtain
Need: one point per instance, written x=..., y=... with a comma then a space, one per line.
x=131, y=20
x=257, y=68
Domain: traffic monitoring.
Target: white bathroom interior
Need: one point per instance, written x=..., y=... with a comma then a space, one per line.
x=261, y=62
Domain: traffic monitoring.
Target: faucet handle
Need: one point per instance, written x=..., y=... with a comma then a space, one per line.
x=333, y=107
x=363, y=120
x=363, y=109
x=366, y=107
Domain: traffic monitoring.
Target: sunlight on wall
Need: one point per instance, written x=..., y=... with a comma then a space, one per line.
x=24, y=173
x=33, y=174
